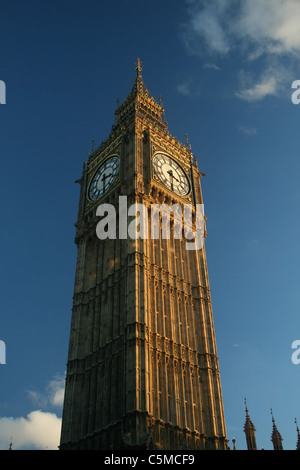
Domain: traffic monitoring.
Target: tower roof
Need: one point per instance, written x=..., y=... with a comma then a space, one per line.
x=140, y=100
x=150, y=113
x=139, y=85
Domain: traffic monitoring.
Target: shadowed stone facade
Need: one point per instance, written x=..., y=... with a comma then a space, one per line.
x=142, y=368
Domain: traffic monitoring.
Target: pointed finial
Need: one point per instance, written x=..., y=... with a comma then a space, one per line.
x=276, y=436
x=115, y=115
x=162, y=108
x=249, y=430
x=187, y=142
x=138, y=67
x=92, y=147
x=246, y=409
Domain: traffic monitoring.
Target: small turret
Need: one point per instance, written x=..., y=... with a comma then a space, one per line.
x=276, y=436
x=249, y=431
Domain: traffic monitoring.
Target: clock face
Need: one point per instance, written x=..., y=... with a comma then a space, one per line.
x=104, y=178
x=171, y=174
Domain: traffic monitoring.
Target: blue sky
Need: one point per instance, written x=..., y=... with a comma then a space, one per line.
x=224, y=70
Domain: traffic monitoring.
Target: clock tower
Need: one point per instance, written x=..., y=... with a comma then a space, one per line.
x=142, y=369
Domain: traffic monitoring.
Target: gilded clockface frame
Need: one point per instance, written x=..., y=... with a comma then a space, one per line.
x=104, y=178
x=171, y=174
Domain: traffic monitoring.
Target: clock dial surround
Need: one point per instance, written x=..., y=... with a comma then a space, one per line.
x=171, y=174
x=104, y=178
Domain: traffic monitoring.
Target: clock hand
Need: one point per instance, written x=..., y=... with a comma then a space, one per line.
x=170, y=172
x=103, y=180
x=104, y=176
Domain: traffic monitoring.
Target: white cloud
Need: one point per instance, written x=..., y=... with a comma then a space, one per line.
x=205, y=24
x=211, y=66
x=247, y=130
x=39, y=430
x=56, y=389
x=260, y=90
x=270, y=26
x=37, y=398
x=271, y=82
x=53, y=394
x=261, y=26
x=252, y=30
x=184, y=88
x=188, y=88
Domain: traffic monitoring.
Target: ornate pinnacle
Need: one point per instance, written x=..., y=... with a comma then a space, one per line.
x=188, y=145
x=138, y=67
x=276, y=436
x=248, y=423
x=92, y=147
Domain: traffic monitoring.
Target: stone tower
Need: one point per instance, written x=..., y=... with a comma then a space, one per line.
x=142, y=369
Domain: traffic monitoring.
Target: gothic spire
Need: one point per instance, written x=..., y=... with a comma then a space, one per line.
x=138, y=68
x=139, y=86
x=249, y=430
x=140, y=100
x=276, y=436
